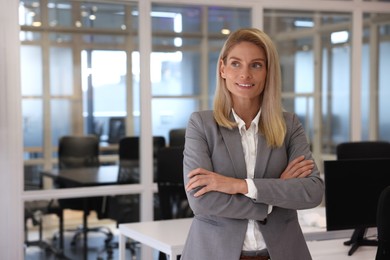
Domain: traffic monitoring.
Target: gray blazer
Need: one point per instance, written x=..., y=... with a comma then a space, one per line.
x=220, y=221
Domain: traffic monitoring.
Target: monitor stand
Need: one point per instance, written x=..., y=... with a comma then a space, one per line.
x=357, y=239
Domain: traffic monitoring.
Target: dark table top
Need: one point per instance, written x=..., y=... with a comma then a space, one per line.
x=91, y=176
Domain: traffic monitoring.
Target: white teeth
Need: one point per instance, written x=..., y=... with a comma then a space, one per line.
x=246, y=85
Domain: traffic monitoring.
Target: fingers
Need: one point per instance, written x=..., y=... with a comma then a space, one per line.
x=303, y=167
x=197, y=178
x=202, y=180
x=303, y=170
x=298, y=168
x=295, y=162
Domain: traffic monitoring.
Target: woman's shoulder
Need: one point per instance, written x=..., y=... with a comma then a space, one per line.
x=288, y=115
x=204, y=114
x=291, y=119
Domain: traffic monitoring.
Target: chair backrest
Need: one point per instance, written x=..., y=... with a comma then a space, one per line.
x=177, y=137
x=129, y=147
x=173, y=201
x=78, y=151
x=383, y=225
x=363, y=150
x=116, y=129
x=129, y=157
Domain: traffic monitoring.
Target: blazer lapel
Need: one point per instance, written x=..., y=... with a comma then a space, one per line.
x=232, y=139
x=261, y=161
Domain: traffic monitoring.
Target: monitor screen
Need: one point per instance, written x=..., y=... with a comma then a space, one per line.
x=352, y=189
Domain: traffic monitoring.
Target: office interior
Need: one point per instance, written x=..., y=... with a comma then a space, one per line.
x=72, y=67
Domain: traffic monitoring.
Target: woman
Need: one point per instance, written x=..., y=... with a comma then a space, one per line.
x=247, y=164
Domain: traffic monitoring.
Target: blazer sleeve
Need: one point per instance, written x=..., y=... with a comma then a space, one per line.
x=297, y=193
x=204, y=148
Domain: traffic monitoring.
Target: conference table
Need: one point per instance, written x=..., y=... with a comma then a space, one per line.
x=84, y=177
x=88, y=176
x=168, y=236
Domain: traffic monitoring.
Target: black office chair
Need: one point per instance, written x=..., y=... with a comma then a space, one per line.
x=383, y=225
x=173, y=201
x=362, y=150
x=116, y=129
x=36, y=210
x=78, y=152
x=177, y=137
x=125, y=208
x=129, y=157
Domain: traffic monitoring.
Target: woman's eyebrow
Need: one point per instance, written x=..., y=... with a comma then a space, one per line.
x=237, y=58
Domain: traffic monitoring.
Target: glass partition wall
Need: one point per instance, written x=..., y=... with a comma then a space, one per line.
x=81, y=71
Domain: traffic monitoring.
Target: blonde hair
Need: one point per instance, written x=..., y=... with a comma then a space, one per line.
x=272, y=124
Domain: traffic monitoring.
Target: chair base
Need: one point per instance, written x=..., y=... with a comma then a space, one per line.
x=109, y=247
x=79, y=232
x=58, y=253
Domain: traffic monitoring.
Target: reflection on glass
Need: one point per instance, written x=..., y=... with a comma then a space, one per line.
x=32, y=111
x=31, y=69
x=104, y=39
x=104, y=88
x=29, y=36
x=170, y=113
x=30, y=13
x=169, y=73
x=60, y=13
x=62, y=119
x=61, y=71
x=60, y=37
x=294, y=36
x=383, y=81
x=375, y=42
x=176, y=19
x=177, y=65
x=101, y=15
x=223, y=20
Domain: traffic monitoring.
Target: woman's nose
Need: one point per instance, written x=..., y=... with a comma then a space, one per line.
x=245, y=73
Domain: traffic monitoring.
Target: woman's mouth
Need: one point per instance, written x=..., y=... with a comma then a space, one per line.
x=245, y=85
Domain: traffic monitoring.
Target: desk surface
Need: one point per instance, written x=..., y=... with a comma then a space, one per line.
x=90, y=176
x=336, y=250
x=169, y=236
x=159, y=234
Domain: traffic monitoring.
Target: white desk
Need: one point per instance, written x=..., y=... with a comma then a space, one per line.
x=335, y=249
x=168, y=236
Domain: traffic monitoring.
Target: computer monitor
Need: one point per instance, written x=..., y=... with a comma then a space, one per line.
x=352, y=190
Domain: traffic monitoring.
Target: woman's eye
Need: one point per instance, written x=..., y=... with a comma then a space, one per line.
x=235, y=64
x=257, y=65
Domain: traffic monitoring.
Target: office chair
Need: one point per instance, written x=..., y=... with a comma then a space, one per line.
x=129, y=157
x=35, y=210
x=383, y=225
x=78, y=152
x=125, y=208
x=116, y=129
x=173, y=201
x=177, y=137
x=362, y=150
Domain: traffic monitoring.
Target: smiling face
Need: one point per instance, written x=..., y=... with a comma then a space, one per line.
x=245, y=73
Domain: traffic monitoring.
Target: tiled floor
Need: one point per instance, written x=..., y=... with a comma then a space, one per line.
x=96, y=246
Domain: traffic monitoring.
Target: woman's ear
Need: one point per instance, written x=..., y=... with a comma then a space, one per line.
x=222, y=69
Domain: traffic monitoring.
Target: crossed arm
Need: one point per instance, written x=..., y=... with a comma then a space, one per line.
x=212, y=181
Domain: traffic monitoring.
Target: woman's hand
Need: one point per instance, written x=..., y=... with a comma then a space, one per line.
x=211, y=181
x=298, y=168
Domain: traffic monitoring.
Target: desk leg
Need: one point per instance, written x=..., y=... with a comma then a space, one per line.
x=85, y=228
x=122, y=247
